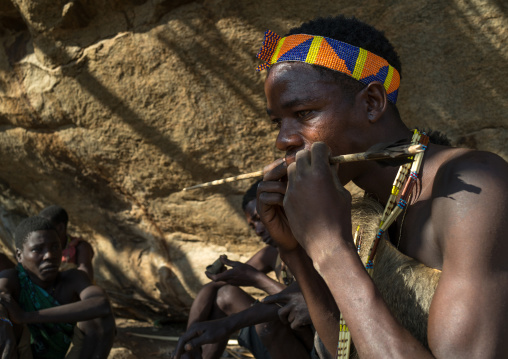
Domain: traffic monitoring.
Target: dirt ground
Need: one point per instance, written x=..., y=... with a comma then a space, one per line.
x=131, y=342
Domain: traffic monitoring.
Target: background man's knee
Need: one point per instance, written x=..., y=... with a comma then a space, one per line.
x=226, y=297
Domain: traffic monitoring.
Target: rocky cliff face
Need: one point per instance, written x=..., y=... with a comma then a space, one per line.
x=111, y=108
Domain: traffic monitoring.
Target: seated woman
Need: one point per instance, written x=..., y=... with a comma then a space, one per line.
x=42, y=309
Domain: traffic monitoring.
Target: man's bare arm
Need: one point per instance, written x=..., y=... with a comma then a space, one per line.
x=469, y=312
x=213, y=331
x=264, y=259
x=318, y=212
x=243, y=274
x=84, y=255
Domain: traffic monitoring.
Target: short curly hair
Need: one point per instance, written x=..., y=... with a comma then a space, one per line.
x=56, y=214
x=28, y=226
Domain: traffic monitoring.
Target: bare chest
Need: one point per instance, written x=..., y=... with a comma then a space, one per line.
x=413, y=234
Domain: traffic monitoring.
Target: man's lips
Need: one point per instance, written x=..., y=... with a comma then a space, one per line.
x=290, y=158
x=50, y=267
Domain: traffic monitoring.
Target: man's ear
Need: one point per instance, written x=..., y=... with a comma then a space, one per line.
x=374, y=95
x=19, y=255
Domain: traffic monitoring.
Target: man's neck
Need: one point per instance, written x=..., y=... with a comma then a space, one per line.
x=377, y=180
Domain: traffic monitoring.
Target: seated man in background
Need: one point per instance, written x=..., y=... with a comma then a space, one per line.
x=5, y=262
x=408, y=290
x=76, y=252
x=42, y=309
x=222, y=298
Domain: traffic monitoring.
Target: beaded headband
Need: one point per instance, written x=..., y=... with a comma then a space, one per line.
x=356, y=62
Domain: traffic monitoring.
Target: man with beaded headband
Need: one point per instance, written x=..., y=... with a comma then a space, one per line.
x=331, y=89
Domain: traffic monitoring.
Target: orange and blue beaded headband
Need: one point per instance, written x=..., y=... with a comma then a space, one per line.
x=356, y=62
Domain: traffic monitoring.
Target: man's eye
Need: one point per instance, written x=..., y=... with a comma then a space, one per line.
x=303, y=113
x=277, y=122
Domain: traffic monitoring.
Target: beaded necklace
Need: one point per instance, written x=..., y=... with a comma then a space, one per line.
x=390, y=214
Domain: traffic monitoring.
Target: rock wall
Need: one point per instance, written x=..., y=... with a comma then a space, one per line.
x=111, y=108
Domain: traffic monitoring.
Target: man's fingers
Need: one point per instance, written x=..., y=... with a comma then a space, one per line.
x=211, y=276
x=193, y=344
x=275, y=170
x=177, y=353
x=302, y=161
x=276, y=298
x=224, y=259
x=185, y=339
x=271, y=193
x=284, y=313
x=303, y=158
x=269, y=199
x=320, y=154
x=272, y=187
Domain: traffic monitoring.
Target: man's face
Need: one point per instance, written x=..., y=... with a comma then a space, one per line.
x=255, y=223
x=307, y=107
x=41, y=256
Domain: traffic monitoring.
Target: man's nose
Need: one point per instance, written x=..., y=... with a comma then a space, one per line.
x=288, y=136
x=260, y=228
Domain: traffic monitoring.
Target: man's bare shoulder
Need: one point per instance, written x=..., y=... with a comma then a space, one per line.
x=470, y=171
x=84, y=244
x=469, y=200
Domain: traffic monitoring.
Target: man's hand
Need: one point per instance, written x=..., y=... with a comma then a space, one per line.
x=240, y=274
x=16, y=314
x=270, y=209
x=199, y=334
x=317, y=206
x=294, y=310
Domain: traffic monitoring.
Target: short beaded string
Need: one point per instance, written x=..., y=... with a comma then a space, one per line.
x=6, y=320
x=390, y=214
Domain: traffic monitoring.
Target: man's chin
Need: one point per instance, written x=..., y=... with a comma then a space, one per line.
x=270, y=242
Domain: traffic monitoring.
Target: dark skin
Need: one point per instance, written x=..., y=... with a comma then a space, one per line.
x=80, y=300
x=454, y=221
x=5, y=262
x=84, y=251
x=284, y=341
x=221, y=308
